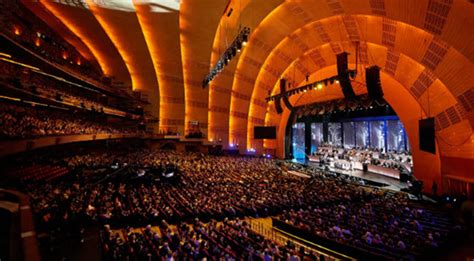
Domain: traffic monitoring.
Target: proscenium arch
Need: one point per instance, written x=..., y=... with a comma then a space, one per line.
x=437, y=103
x=427, y=166
x=360, y=9
x=462, y=128
x=258, y=91
x=333, y=92
x=425, y=35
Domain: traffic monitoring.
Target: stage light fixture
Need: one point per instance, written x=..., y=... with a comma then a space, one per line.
x=310, y=86
x=245, y=38
x=234, y=48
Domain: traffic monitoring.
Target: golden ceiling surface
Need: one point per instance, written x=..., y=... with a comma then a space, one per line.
x=165, y=48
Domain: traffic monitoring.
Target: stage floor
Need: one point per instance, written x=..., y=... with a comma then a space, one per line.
x=393, y=184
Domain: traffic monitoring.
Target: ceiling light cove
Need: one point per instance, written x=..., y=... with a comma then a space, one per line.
x=156, y=6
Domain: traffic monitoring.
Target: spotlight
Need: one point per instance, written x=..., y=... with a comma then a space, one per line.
x=320, y=86
x=337, y=81
x=244, y=40
x=234, y=48
x=239, y=46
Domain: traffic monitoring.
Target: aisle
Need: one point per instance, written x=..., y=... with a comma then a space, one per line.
x=264, y=227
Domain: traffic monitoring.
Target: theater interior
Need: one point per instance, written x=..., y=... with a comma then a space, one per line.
x=236, y=130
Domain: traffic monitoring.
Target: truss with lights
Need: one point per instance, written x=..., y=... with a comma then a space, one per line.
x=318, y=85
x=234, y=48
x=362, y=105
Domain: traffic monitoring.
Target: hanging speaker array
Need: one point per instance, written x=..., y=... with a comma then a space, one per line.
x=344, y=76
x=374, y=86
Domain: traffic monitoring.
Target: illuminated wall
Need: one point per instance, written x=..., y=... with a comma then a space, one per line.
x=424, y=48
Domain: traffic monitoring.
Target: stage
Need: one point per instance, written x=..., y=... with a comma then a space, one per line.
x=390, y=183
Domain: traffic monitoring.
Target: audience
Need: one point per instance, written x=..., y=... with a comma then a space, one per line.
x=34, y=83
x=386, y=223
x=109, y=188
x=25, y=28
x=227, y=240
x=23, y=122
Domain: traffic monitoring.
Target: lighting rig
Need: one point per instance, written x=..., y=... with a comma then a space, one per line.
x=234, y=48
x=318, y=85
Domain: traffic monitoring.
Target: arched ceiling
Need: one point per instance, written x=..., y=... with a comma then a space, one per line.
x=289, y=40
x=161, y=31
x=424, y=45
x=82, y=23
x=310, y=60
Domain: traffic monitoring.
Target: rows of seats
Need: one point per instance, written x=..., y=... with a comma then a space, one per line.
x=30, y=82
x=230, y=239
x=39, y=173
x=210, y=187
x=374, y=228
x=25, y=28
x=22, y=121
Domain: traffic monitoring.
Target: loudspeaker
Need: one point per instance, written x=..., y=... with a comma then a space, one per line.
x=343, y=76
x=426, y=129
x=285, y=97
x=365, y=167
x=346, y=87
x=404, y=177
x=342, y=66
x=264, y=132
x=278, y=107
x=372, y=79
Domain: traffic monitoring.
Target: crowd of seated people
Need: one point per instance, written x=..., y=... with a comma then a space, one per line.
x=386, y=224
x=399, y=160
x=22, y=122
x=21, y=25
x=223, y=187
x=227, y=240
x=15, y=76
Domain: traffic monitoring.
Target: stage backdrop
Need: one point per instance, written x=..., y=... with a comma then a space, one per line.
x=299, y=140
x=385, y=133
